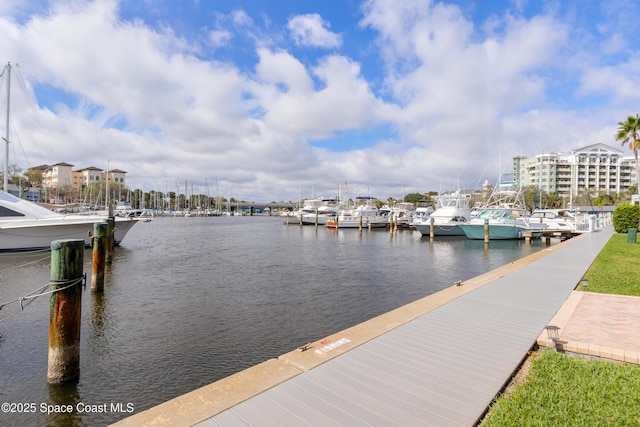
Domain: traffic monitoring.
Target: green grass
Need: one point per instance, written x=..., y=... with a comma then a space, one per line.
x=616, y=268
x=570, y=391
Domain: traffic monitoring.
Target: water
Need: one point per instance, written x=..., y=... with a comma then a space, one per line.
x=189, y=301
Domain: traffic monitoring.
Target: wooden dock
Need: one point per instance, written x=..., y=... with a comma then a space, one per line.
x=438, y=361
x=549, y=234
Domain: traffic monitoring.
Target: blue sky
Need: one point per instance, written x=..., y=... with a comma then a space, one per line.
x=280, y=99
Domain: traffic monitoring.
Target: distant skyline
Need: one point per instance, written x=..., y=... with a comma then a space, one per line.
x=277, y=100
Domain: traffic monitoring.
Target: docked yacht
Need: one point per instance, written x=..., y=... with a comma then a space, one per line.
x=310, y=206
x=328, y=209
x=452, y=210
x=400, y=213
x=505, y=213
x=25, y=225
x=364, y=215
x=556, y=219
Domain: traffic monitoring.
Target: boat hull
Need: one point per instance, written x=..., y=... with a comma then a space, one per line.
x=440, y=229
x=319, y=219
x=496, y=231
x=39, y=235
x=355, y=223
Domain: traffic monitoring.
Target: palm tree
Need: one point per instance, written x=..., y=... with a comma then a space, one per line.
x=629, y=133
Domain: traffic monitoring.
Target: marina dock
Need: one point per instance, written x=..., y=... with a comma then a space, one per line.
x=440, y=360
x=549, y=234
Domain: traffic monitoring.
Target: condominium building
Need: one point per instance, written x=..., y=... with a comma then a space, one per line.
x=598, y=169
x=60, y=178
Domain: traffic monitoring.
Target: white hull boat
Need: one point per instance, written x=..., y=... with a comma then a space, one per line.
x=452, y=210
x=328, y=210
x=505, y=214
x=363, y=216
x=27, y=226
x=296, y=217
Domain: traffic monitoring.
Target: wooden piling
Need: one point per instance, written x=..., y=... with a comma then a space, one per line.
x=486, y=231
x=65, y=311
x=431, y=229
x=111, y=240
x=99, y=256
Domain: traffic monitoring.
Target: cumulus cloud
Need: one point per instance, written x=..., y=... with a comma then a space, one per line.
x=312, y=30
x=428, y=92
x=220, y=37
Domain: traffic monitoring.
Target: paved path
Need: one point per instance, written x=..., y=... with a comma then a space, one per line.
x=599, y=325
x=438, y=361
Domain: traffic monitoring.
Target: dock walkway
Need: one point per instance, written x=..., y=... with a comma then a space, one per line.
x=439, y=361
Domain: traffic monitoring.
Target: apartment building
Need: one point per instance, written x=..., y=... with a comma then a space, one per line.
x=61, y=179
x=598, y=168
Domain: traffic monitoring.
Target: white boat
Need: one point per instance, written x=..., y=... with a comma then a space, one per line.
x=124, y=209
x=365, y=215
x=556, y=219
x=295, y=217
x=401, y=213
x=328, y=209
x=452, y=210
x=505, y=213
x=24, y=225
x=424, y=209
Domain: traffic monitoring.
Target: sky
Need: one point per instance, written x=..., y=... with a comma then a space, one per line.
x=275, y=100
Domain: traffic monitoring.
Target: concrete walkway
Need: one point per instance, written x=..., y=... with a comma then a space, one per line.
x=438, y=361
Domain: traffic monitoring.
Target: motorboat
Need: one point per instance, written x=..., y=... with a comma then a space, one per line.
x=504, y=213
x=400, y=213
x=504, y=223
x=328, y=209
x=25, y=225
x=555, y=219
x=452, y=210
x=309, y=207
x=124, y=209
x=364, y=215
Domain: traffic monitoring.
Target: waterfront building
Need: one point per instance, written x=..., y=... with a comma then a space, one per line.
x=598, y=169
x=60, y=181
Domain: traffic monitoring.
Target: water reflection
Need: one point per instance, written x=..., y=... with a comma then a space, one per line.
x=61, y=407
x=188, y=301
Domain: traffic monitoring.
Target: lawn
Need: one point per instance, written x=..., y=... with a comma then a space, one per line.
x=616, y=270
x=570, y=391
x=561, y=390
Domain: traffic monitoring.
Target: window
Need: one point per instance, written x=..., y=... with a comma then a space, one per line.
x=4, y=212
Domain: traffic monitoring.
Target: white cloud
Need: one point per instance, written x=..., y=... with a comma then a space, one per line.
x=455, y=97
x=219, y=37
x=311, y=30
x=343, y=100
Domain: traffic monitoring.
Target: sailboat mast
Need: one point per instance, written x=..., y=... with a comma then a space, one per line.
x=6, y=140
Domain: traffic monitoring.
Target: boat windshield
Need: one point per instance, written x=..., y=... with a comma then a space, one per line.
x=499, y=214
x=7, y=197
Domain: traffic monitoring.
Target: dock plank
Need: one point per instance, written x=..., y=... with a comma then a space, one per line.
x=442, y=368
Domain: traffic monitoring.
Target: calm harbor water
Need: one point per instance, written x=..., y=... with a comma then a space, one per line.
x=189, y=301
